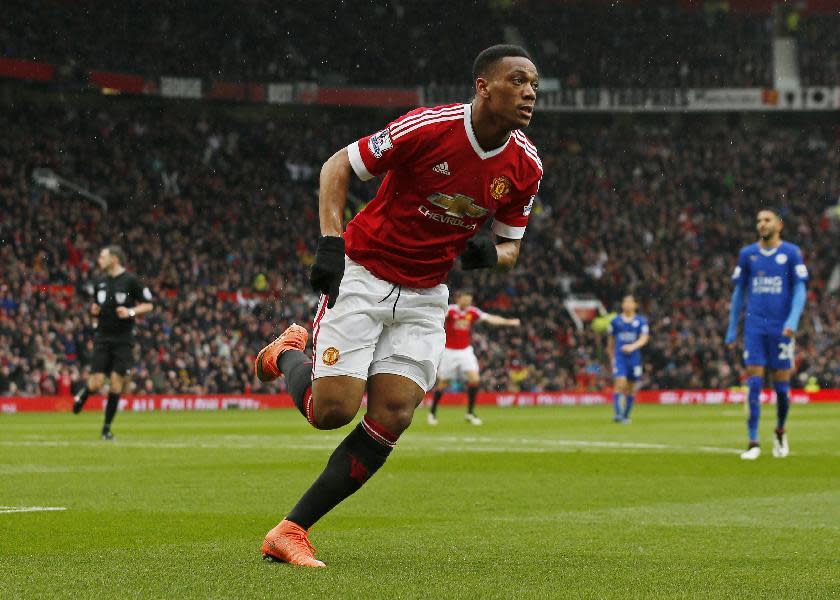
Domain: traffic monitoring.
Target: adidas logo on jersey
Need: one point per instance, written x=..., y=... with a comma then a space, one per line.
x=442, y=168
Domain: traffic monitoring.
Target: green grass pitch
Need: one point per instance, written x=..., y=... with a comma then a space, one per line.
x=537, y=503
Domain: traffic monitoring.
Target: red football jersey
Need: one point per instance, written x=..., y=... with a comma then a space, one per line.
x=439, y=188
x=459, y=326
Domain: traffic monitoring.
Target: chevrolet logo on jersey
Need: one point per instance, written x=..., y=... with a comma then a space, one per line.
x=458, y=205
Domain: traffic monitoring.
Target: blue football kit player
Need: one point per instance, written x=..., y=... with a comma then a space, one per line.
x=770, y=281
x=629, y=332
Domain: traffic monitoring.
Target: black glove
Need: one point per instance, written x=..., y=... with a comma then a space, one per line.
x=480, y=254
x=328, y=268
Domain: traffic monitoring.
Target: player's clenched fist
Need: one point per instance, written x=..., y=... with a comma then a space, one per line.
x=480, y=254
x=328, y=268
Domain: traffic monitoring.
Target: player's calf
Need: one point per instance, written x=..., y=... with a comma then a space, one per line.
x=357, y=458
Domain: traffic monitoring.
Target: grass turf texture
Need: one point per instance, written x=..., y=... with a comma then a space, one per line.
x=539, y=502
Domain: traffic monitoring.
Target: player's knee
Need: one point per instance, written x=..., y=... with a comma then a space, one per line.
x=331, y=414
x=118, y=384
x=395, y=417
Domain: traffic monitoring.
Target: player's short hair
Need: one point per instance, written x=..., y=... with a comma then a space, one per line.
x=464, y=292
x=117, y=251
x=773, y=210
x=490, y=56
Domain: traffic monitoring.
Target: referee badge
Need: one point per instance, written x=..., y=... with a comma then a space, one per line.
x=120, y=296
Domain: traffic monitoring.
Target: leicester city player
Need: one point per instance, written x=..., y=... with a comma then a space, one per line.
x=629, y=332
x=770, y=278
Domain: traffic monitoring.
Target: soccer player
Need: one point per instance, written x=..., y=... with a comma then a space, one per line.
x=458, y=354
x=770, y=279
x=118, y=298
x=379, y=325
x=629, y=333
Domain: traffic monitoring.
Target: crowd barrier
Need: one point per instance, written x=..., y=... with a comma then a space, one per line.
x=211, y=402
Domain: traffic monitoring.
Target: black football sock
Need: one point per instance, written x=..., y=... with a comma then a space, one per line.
x=82, y=395
x=297, y=369
x=472, y=393
x=435, y=401
x=111, y=410
x=80, y=399
x=355, y=461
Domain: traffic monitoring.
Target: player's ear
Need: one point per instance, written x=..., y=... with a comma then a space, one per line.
x=481, y=87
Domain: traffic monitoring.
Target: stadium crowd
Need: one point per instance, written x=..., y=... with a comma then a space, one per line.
x=819, y=50
x=602, y=44
x=218, y=213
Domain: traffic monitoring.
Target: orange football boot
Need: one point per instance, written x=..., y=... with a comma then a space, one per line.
x=265, y=367
x=288, y=542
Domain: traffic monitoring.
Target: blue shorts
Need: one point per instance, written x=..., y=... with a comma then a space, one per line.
x=769, y=350
x=627, y=367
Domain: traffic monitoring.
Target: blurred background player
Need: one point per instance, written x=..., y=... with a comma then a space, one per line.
x=118, y=298
x=770, y=279
x=629, y=332
x=458, y=355
x=379, y=324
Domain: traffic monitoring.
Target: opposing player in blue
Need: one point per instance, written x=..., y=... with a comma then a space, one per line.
x=770, y=279
x=629, y=332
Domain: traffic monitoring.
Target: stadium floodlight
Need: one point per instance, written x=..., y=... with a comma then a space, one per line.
x=48, y=179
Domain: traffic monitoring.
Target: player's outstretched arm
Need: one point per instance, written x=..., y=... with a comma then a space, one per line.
x=500, y=320
x=328, y=268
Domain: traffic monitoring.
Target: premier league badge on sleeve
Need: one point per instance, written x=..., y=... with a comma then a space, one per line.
x=380, y=143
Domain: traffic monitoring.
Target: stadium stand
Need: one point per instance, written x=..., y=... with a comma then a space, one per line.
x=819, y=49
x=601, y=45
x=218, y=212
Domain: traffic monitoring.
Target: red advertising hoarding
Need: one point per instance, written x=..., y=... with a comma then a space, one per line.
x=211, y=402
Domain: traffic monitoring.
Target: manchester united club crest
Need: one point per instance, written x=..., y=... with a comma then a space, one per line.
x=500, y=187
x=330, y=356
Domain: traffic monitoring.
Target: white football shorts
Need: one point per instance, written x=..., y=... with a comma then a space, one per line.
x=379, y=327
x=456, y=363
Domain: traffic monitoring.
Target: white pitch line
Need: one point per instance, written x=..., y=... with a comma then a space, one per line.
x=25, y=509
x=417, y=442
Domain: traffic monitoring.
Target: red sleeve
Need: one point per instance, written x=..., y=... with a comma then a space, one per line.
x=512, y=217
x=387, y=149
x=478, y=315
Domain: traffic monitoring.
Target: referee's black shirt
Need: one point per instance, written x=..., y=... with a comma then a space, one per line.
x=111, y=292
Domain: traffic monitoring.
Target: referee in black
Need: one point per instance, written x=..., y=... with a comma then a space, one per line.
x=118, y=298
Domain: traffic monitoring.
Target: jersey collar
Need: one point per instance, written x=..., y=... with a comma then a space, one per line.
x=482, y=154
x=768, y=251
